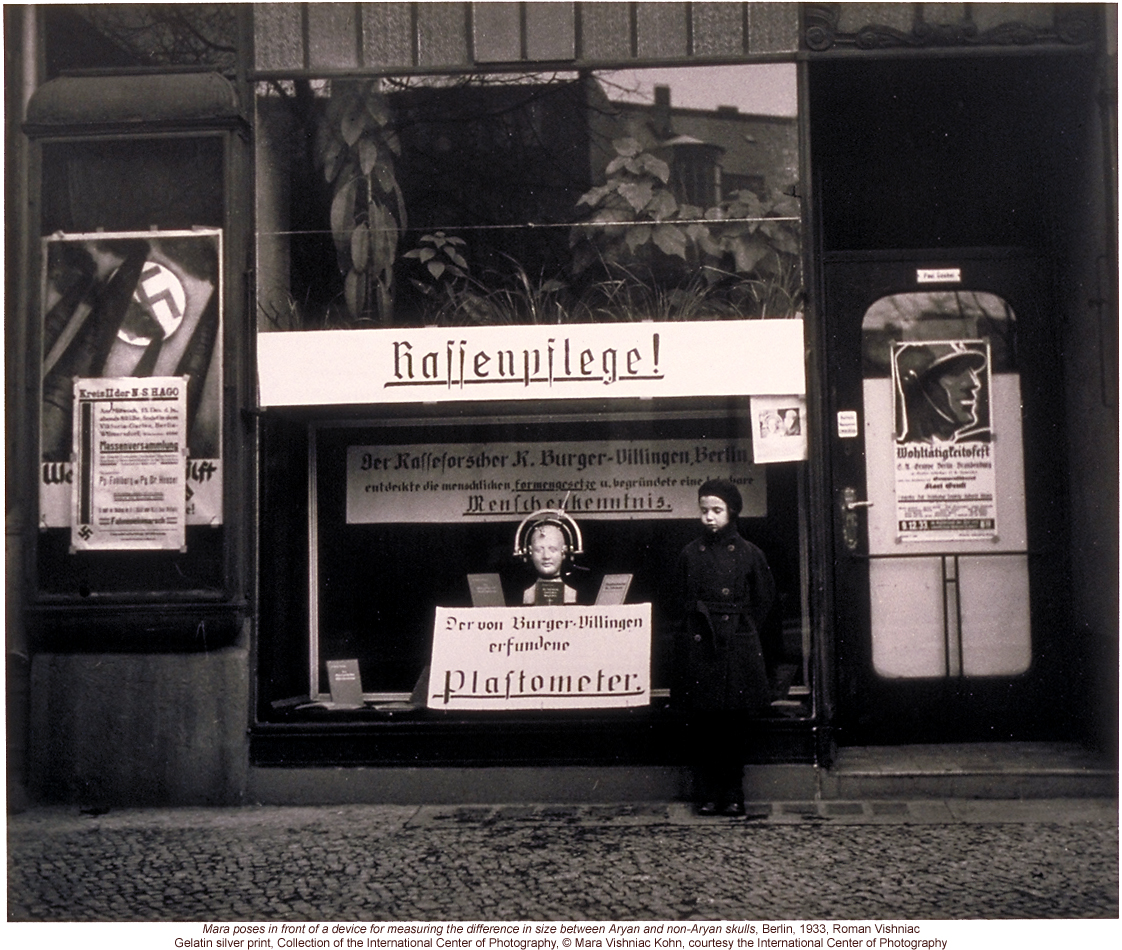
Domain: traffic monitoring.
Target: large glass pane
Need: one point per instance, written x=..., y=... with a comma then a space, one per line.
x=131, y=288
x=535, y=198
x=906, y=597
x=382, y=564
x=153, y=35
x=994, y=596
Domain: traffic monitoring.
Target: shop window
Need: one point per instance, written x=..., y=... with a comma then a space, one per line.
x=509, y=205
x=131, y=340
x=101, y=323
x=380, y=566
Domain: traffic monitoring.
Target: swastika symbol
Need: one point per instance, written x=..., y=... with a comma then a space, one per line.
x=160, y=277
x=159, y=298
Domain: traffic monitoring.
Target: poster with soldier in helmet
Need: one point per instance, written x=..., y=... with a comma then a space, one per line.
x=945, y=483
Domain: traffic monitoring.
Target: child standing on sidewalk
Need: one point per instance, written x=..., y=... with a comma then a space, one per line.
x=726, y=591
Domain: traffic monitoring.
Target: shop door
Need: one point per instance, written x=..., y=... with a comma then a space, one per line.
x=945, y=404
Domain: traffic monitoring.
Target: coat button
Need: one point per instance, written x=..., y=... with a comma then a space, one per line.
x=702, y=548
x=725, y=617
x=725, y=591
x=697, y=638
x=732, y=547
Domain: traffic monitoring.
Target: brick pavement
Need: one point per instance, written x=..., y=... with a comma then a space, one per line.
x=791, y=860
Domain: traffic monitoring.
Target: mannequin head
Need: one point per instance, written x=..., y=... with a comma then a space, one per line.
x=548, y=549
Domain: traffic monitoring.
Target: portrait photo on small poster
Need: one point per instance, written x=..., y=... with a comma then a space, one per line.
x=778, y=429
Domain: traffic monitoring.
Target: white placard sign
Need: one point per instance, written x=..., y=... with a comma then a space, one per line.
x=847, y=424
x=939, y=275
x=610, y=479
x=541, y=657
x=130, y=448
x=578, y=361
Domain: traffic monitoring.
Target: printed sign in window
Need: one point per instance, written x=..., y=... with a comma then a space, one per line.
x=611, y=479
x=779, y=432
x=541, y=657
x=945, y=482
x=130, y=447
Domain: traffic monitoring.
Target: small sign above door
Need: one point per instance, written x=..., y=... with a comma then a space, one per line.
x=939, y=275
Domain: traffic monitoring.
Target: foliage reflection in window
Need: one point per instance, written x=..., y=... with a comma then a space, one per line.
x=523, y=199
x=129, y=35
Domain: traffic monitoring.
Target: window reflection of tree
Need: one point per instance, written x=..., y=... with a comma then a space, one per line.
x=89, y=35
x=500, y=166
x=486, y=155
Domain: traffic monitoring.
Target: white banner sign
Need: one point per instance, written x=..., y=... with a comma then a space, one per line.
x=580, y=361
x=612, y=479
x=541, y=657
x=130, y=447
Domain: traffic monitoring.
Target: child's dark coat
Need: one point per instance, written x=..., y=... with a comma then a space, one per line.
x=726, y=592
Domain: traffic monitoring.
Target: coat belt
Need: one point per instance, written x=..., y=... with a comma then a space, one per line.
x=728, y=608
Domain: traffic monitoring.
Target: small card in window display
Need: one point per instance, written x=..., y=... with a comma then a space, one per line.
x=613, y=589
x=346, y=684
x=486, y=590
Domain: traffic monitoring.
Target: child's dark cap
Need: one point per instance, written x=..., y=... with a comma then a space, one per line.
x=725, y=490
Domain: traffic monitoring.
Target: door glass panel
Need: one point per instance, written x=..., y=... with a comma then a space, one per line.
x=994, y=600
x=945, y=615
x=907, y=617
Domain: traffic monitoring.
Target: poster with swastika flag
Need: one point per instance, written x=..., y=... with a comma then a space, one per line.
x=132, y=306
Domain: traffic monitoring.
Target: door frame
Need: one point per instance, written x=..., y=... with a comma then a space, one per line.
x=1027, y=707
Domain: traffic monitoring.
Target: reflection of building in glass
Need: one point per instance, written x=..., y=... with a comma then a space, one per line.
x=478, y=159
x=934, y=316
x=715, y=153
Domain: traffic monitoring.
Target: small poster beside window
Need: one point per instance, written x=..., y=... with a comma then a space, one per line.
x=779, y=429
x=945, y=482
x=130, y=449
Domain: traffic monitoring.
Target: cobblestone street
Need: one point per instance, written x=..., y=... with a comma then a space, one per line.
x=841, y=860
